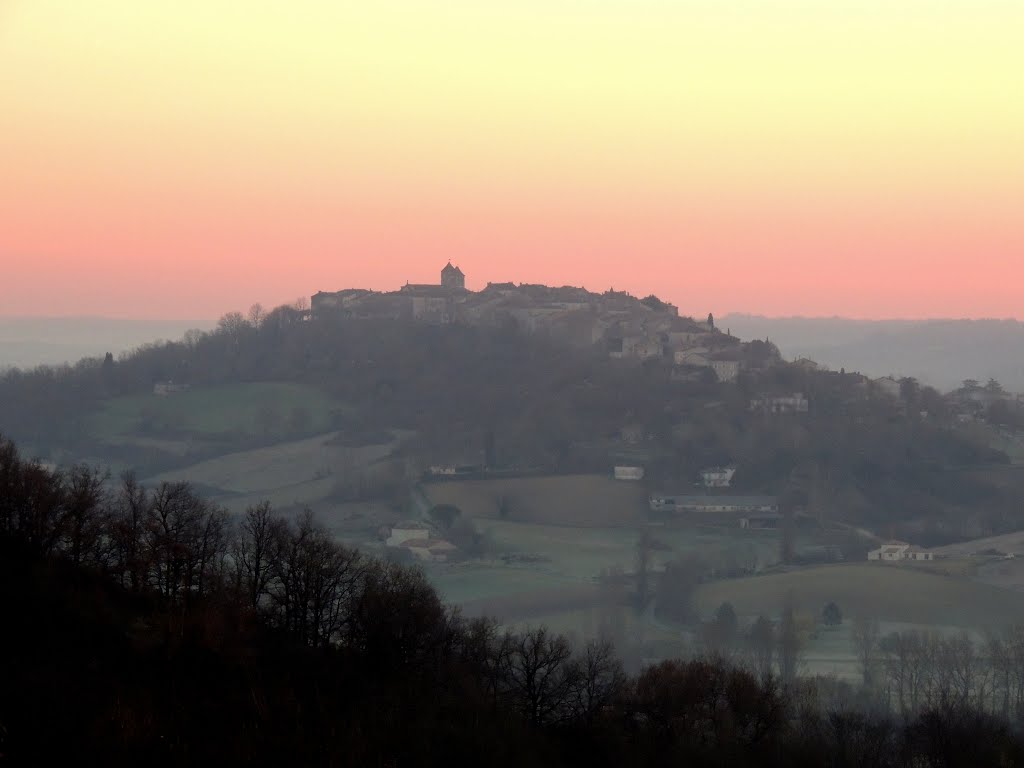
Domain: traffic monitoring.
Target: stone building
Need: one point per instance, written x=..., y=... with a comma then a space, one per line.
x=452, y=277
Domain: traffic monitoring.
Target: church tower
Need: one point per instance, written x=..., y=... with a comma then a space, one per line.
x=452, y=277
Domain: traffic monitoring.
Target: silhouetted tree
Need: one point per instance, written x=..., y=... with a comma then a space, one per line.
x=831, y=615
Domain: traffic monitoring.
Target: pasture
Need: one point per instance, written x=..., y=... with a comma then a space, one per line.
x=583, y=552
x=890, y=593
x=299, y=472
x=571, y=500
x=259, y=409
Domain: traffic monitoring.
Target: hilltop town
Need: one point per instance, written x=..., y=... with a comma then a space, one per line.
x=621, y=324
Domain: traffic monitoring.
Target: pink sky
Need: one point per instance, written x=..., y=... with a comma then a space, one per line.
x=180, y=160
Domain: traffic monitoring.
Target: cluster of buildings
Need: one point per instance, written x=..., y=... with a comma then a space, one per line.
x=417, y=539
x=626, y=327
x=794, y=403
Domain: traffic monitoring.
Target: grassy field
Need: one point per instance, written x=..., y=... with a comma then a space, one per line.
x=582, y=553
x=295, y=472
x=887, y=592
x=1011, y=543
x=474, y=584
x=581, y=500
x=257, y=409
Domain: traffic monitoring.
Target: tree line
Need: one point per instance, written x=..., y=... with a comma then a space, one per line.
x=148, y=625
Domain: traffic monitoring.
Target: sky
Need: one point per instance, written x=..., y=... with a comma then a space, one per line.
x=183, y=158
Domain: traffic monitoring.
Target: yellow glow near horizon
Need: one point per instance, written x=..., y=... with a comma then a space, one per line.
x=654, y=124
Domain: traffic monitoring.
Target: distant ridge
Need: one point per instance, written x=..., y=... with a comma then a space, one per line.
x=26, y=342
x=939, y=352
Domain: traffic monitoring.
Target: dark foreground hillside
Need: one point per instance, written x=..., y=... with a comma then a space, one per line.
x=142, y=628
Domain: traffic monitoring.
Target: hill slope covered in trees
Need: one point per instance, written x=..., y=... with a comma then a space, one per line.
x=510, y=399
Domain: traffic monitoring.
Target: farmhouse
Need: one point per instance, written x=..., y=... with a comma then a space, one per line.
x=748, y=504
x=717, y=477
x=895, y=551
x=407, y=531
x=629, y=473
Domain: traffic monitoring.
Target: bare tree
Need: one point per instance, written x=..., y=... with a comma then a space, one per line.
x=232, y=324
x=539, y=679
x=720, y=634
x=314, y=579
x=676, y=586
x=85, y=504
x=761, y=642
x=192, y=337
x=210, y=550
x=599, y=679
x=39, y=508
x=864, y=634
x=643, y=565
x=175, y=522
x=790, y=644
x=253, y=551
x=257, y=314
x=127, y=533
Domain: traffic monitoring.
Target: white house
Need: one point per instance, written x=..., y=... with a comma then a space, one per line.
x=895, y=551
x=629, y=473
x=717, y=477
x=725, y=370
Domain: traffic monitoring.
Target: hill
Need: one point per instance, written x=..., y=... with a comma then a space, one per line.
x=496, y=394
